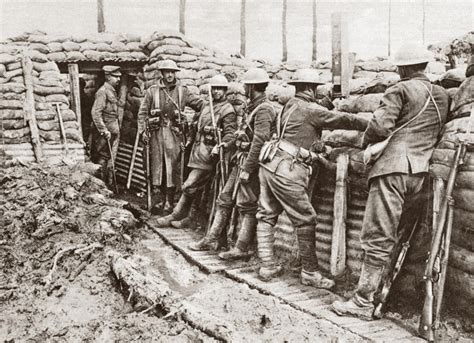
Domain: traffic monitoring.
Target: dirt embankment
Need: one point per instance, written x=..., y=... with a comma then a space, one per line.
x=55, y=279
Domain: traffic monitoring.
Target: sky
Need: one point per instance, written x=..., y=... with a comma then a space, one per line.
x=217, y=23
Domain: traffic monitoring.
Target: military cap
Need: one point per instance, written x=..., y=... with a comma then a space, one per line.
x=112, y=70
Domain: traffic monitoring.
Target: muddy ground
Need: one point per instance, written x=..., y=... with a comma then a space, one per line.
x=68, y=216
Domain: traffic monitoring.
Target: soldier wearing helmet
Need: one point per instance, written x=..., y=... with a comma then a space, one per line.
x=242, y=187
x=202, y=160
x=412, y=112
x=285, y=171
x=162, y=105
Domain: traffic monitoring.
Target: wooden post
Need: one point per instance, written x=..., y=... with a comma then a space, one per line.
x=29, y=107
x=341, y=72
x=314, y=38
x=389, y=27
x=122, y=97
x=242, y=28
x=73, y=70
x=100, y=16
x=338, y=243
x=283, y=32
x=182, y=16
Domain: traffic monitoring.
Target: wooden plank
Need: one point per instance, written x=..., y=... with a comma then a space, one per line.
x=338, y=243
x=29, y=107
x=73, y=71
x=340, y=55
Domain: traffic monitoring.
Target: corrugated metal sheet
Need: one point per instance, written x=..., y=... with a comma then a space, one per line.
x=124, y=156
x=323, y=199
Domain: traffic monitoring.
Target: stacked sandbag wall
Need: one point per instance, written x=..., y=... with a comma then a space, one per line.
x=460, y=279
x=47, y=90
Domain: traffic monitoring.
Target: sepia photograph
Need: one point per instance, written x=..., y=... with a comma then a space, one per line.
x=236, y=171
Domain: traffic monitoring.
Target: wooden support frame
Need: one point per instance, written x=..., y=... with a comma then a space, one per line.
x=341, y=64
x=73, y=70
x=29, y=107
x=338, y=243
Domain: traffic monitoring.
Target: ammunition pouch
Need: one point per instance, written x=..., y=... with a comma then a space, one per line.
x=154, y=123
x=300, y=154
x=268, y=151
x=208, y=134
x=242, y=146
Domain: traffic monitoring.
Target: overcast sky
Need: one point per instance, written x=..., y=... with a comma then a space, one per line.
x=216, y=23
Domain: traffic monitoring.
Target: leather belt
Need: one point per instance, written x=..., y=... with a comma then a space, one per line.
x=294, y=150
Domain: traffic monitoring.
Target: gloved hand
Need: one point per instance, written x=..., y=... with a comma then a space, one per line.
x=244, y=177
x=145, y=138
x=107, y=135
x=182, y=146
x=215, y=149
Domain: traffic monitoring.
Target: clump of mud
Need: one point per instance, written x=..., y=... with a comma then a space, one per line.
x=56, y=223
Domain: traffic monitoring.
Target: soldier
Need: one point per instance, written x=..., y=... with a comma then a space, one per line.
x=105, y=118
x=202, y=159
x=399, y=174
x=254, y=131
x=163, y=104
x=285, y=171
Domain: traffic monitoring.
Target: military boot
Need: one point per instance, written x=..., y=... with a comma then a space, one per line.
x=210, y=240
x=169, y=202
x=180, y=211
x=306, y=245
x=191, y=221
x=361, y=304
x=265, y=242
x=246, y=234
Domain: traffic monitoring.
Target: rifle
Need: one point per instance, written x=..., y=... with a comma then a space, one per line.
x=114, y=177
x=147, y=165
x=396, y=270
x=233, y=217
x=440, y=246
x=132, y=161
x=217, y=134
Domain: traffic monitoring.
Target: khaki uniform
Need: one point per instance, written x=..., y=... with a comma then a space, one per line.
x=284, y=180
x=165, y=140
x=399, y=174
x=105, y=117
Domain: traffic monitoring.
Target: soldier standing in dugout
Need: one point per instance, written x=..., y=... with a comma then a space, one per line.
x=285, y=172
x=256, y=128
x=202, y=160
x=162, y=104
x=399, y=175
x=105, y=118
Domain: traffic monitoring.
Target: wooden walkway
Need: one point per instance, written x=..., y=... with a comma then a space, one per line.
x=287, y=288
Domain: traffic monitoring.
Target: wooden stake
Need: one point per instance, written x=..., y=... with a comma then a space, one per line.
x=73, y=70
x=341, y=72
x=29, y=107
x=338, y=245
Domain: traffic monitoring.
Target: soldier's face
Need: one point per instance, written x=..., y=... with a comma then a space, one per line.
x=247, y=89
x=218, y=93
x=169, y=75
x=114, y=80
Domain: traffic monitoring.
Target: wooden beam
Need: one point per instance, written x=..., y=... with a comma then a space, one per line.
x=73, y=70
x=341, y=72
x=100, y=16
x=243, y=36
x=29, y=107
x=93, y=67
x=182, y=16
x=122, y=97
x=338, y=243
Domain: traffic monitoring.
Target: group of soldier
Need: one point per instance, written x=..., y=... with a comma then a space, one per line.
x=272, y=154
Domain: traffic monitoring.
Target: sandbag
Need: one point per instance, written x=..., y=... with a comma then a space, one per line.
x=462, y=284
x=48, y=66
x=133, y=46
x=166, y=49
x=48, y=83
x=138, y=55
x=74, y=56
x=36, y=56
x=12, y=124
x=11, y=104
x=463, y=228
x=461, y=259
x=12, y=96
x=44, y=115
x=101, y=46
x=12, y=114
x=53, y=125
x=340, y=138
x=376, y=65
x=195, y=65
x=14, y=134
x=57, y=98
x=362, y=103
x=218, y=60
x=181, y=58
x=12, y=87
x=48, y=90
x=13, y=66
x=192, y=51
x=210, y=65
x=55, y=47
x=43, y=48
x=46, y=106
x=7, y=58
x=187, y=82
x=206, y=73
x=50, y=75
x=55, y=136
x=18, y=79
x=57, y=56
x=118, y=46
x=166, y=41
x=464, y=198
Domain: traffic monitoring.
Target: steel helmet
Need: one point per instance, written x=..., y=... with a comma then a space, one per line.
x=168, y=65
x=306, y=75
x=219, y=81
x=410, y=54
x=254, y=76
x=456, y=75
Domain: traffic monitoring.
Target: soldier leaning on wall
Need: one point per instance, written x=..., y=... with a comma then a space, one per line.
x=105, y=118
x=285, y=172
x=203, y=154
x=400, y=173
x=256, y=128
x=162, y=105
